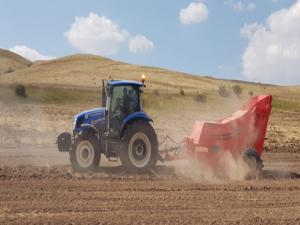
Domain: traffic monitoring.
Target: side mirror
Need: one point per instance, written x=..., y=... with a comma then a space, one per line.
x=105, y=112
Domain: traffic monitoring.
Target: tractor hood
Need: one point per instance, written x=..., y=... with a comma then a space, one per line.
x=92, y=112
x=89, y=117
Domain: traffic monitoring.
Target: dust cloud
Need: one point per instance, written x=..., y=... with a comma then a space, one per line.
x=27, y=135
x=229, y=168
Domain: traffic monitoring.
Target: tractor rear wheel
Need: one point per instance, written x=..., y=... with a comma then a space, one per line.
x=139, y=147
x=254, y=163
x=85, y=154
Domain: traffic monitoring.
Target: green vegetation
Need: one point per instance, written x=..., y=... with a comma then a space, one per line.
x=46, y=95
x=237, y=90
x=155, y=92
x=63, y=96
x=181, y=92
x=8, y=70
x=284, y=105
x=223, y=91
x=200, y=97
x=155, y=100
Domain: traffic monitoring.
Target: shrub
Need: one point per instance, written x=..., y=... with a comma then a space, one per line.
x=21, y=91
x=237, y=90
x=200, y=97
x=155, y=92
x=223, y=91
x=9, y=70
x=250, y=93
x=181, y=92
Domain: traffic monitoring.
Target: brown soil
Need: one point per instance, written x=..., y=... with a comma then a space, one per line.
x=57, y=195
x=38, y=186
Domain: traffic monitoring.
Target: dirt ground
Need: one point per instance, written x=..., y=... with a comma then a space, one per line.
x=38, y=186
x=56, y=195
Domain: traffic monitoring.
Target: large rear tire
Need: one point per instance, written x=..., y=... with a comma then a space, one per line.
x=139, y=149
x=85, y=154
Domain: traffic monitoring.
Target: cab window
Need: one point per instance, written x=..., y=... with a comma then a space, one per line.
x=124, y=101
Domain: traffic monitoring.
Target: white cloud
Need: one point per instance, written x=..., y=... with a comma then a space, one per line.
x=140, y=44
x=240, y=6
x=29, y=53
x=96, y=34
x=195, y=12
x=248, y=30
x=273, y=52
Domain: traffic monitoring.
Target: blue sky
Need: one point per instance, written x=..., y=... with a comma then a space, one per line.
x=213, y=46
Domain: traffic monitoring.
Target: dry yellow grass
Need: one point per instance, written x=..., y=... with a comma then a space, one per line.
x=10, y=62
x=88, y=70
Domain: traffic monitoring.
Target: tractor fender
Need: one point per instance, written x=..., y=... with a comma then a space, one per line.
x=133, y=117
x=87, y=130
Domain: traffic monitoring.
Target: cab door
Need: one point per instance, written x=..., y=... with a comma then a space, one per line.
x=124, y=101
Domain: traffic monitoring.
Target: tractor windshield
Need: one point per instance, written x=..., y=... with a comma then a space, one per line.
x=125, y=100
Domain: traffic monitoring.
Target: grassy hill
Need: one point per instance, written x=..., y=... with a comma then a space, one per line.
x=88, y=70
x=10, y=62
x=85, y=72
x=175, y=100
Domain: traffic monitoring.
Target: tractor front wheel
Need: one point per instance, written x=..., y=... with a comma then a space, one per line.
x=85, y=155
x=139, y=147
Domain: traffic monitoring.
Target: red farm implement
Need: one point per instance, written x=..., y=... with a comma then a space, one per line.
x=241, y=134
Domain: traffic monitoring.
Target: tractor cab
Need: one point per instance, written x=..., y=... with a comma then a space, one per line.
x=121, y=99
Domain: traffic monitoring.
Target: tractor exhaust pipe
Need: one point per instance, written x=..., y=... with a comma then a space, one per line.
x=103, y=94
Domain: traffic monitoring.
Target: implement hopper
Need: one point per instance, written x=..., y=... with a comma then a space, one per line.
x=243, y=130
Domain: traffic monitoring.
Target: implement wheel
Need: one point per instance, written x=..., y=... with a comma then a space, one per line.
x=254, y=163
x=139, y=147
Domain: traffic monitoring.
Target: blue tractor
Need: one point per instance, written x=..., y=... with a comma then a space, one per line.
x=120, y=129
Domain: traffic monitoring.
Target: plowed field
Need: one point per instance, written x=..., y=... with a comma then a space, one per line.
x=38, y=186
